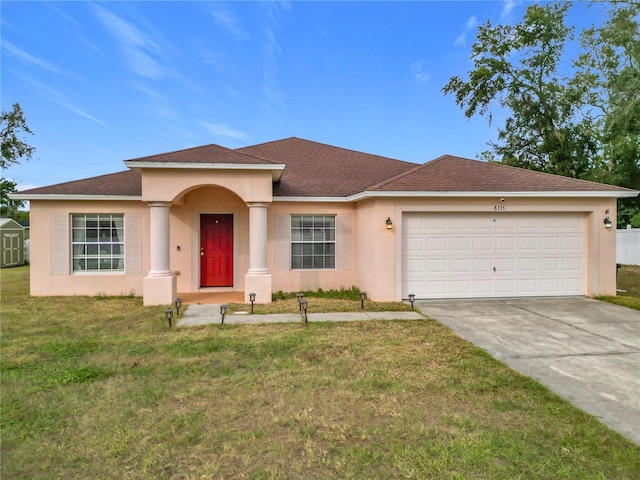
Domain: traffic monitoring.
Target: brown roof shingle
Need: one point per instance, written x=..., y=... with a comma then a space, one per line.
x=319, y=170
x=455, y=174
x=204, y=154
x=127, y=183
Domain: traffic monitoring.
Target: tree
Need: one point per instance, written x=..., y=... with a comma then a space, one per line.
x=584, y=123
x=13, y=149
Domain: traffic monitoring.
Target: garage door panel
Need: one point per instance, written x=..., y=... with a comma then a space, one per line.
x=488, y=255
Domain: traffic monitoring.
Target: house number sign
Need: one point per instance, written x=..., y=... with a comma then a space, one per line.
x=499, y=208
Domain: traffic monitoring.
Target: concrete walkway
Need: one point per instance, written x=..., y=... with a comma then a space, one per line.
x=196, y=315
x=586, y=351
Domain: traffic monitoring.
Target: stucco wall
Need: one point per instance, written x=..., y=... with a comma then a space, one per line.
x=44, y=282
x=380, y=254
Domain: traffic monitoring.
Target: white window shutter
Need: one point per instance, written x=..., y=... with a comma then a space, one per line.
x=60, y=244
x=132, y=243
x=282, y=243
x=344, y=238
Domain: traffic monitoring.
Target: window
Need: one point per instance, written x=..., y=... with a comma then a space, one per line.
x=97, y=242
x=313, y=241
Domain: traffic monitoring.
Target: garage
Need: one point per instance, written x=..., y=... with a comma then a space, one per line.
x=475, y=255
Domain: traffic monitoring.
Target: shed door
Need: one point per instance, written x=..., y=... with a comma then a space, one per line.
x=493, y=255
x=216, y=250
x=11, y=246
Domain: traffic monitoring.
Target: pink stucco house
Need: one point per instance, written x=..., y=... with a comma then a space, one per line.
x=295, y=214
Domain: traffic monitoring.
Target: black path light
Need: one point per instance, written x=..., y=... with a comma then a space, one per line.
x=300, y=296
x=412, y=298
x=303, y=306
x=363, y=296
x=252, y=299
x=168, y=313
x=223, y=312
x=178, y=305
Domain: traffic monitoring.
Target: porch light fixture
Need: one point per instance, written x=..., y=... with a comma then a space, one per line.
x=178, y=305
x=363, y=296
x=412, y=298
x=303, y=306
x=389, y=223
x=252, y=299
x=223, y=312
x=300, y=296
x=168, y=313
x=607, y=222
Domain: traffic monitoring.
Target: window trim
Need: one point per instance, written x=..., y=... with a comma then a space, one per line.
x=313, y=242
x=98, y=256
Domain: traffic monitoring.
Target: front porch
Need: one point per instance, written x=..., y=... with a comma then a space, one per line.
x=210, y=298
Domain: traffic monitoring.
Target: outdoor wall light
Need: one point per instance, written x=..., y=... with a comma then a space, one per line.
x=178, y=305
x=363, y=296
x=389, y=223
x=168, y=313
x=223, y=312
x=303, y=305
x=252, y=299
x=412, y=298
x=607, y=222
x=300, y=296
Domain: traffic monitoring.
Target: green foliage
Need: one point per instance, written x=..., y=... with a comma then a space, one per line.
x=582, y=124
x=352, y=293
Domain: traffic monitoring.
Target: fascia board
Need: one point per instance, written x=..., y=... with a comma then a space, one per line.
x=277, y=168
x=538, y=194
x=64, y=197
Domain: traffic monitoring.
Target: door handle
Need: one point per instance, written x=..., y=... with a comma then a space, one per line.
x=202, y=254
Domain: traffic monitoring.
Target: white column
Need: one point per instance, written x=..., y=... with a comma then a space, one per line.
x=159, y=286
x=258, y=279
x=159, y=239
x=258, y=238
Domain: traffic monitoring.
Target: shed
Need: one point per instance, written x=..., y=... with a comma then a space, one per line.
x=12, y=235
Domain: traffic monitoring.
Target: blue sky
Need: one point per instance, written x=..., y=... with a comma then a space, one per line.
x=103, y=82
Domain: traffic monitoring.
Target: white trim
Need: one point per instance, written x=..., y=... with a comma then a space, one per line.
x=431, y=194
x=362, y=195
x=538, y=193
x=276, y=168
x=66, y=196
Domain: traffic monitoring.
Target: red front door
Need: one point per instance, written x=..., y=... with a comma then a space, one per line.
x=216, y=250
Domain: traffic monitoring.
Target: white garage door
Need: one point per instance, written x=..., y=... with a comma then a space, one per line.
x=493, y=255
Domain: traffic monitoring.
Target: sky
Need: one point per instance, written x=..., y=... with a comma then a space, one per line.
x=106, y=81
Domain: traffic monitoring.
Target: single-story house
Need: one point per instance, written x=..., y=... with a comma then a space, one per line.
x=295, y=214
x=13, y=250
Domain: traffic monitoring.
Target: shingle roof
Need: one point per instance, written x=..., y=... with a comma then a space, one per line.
x=127, y=183
x=205, y=154
x=319, y=170
x=455, y=174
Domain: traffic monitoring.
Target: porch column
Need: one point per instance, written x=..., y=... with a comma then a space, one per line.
x=159, y=286
x=258, y=279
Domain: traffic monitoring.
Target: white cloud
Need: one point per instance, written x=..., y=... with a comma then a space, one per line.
x=472, y=22
x=137, y=48
x=508, y=6
x=420, y=76
x=32, y=60
x=461, y=40
x=221, y=130
x=224, y=19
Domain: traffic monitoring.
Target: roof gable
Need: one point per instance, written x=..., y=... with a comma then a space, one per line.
x=319, y=170
x=456, y=174
x=206, y=154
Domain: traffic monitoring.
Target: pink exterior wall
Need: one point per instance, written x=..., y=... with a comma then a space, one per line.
x=44, y=282
x=376, y=253
x=380, y=254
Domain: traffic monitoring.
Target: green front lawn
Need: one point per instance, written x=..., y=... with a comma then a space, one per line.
x=100, y=388
x=628, y=281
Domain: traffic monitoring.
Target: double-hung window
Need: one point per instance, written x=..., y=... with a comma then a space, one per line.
x=313, y=242
x=97, y=242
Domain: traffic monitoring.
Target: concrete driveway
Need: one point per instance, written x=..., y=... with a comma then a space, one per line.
x=584, y=350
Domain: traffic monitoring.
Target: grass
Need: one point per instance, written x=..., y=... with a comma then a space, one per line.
x=629, y=281
x=321, y=301
x=102, y=388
